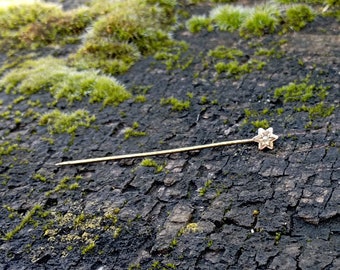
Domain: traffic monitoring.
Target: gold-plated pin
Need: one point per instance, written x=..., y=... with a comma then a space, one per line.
x=265, y=139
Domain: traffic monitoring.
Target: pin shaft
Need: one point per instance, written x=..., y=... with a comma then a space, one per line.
x=154, y=153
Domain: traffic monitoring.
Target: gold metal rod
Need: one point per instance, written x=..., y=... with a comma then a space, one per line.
x=154, y=153
x=265, y=139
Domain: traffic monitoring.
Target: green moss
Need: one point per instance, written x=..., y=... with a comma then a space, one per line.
x=263, y=20
x=117, y=232
x=172, y=55
x=140, y=99
x=121, y=33
x=301, y=1
x=26, y=219
x=39, y=177
x=302, y=92
x=297, y=17
x=134, y=266
x=140, y=89
x=61, y=185
x=19, y=99
x=61, y=81
x=6, y=115
x=205, y=188
x=31, y=26
x=228, y=17
x=64, y=185
x=148, y=162
x=221, y=52
x=173, y=243
x=260, y=124
x=204, y=100
x=253, y=116
x=73, y=186
x=265, y=52
x=319, y=110
x=277, y=238
x=90, y=246
x=132, y=132
x=48, y=140
x=333, y=2
x=79, y=219
x=6, y=148
x=254, y=21
x=280, y=111
x=177, y=105
x=221, y=67
x=108, y=55
x=128, y=30
x=190, y=95
x=198, y=22
x=59, y=122
x=234, y=68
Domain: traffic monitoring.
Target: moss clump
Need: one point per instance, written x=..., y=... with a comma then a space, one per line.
x=253, y=117
x=302, y=92
x=260, y=124
x=39, y=177
x=297, y=17
x=205, y=188
x=177, y=105
x=228, y=17
x=198, y=22
x=172, y=55
x=262, y=20
x=34, y=25
x=295, y=92
x=140, y=99
x=148, y=162
x=59, y=122
x=256, y=21
x=277, y=238
x=320, y=110
x=221, y=52
x=89, y=247
x=51, y=74
x=132, y=132
x=130, y=28
x=234, y=68
x=6, y=148
x=64, y=185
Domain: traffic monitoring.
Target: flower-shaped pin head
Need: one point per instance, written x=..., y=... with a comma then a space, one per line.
x=265, y=138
